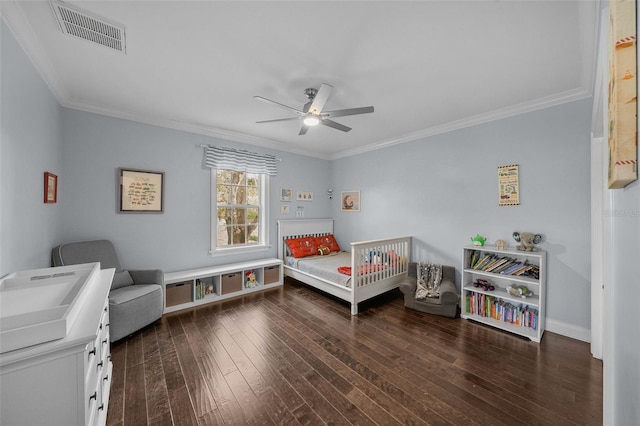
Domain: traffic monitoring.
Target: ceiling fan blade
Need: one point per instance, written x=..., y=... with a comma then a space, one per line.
x=279, y=119
x=260, y=98
x=321, y=98
x=349, y=111
x=335, y=125
x=303, y=130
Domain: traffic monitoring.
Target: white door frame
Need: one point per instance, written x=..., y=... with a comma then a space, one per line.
x=602, y=288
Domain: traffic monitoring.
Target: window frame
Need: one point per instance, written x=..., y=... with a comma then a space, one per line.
x=264, y=197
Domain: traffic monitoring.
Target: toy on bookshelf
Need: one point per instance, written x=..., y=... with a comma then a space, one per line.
x=527, y=240
x=251, y=280
x=519, y=291
x=501, y=244
x=478, y=240
x=484, y=284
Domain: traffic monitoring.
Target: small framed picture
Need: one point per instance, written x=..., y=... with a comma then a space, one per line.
x=305, y=196
x=50, y=188
x=284, y=209
x=286, y=194
x=350, y=201
x=141, y=191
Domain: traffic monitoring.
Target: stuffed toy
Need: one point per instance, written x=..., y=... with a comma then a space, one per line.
x=251, y=280
x=478, y=240
x=527, y=240
x=519, y=291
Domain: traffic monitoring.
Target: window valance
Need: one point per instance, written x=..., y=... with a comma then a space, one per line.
x=217, y=157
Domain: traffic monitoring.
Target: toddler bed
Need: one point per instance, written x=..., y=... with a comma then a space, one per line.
x=369, y=269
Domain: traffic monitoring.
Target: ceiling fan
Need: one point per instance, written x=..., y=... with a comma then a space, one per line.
x=312, y=113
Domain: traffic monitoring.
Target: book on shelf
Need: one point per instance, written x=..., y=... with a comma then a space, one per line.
x=200, y=289
x=505, y=266
x=513, y=267
x=488, y=306
x=496, y=263
x=474, y=255
x=504, y=263
x=484, y=262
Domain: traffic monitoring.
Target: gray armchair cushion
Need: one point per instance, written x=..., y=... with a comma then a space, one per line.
x=148, y=276
x=121, y=279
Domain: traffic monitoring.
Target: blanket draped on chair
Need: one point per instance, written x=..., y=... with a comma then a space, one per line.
x=429, y=279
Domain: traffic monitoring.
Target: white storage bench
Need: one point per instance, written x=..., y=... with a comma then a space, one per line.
x=194, y=287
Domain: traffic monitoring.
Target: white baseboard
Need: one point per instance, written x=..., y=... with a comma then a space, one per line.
x=569, y=330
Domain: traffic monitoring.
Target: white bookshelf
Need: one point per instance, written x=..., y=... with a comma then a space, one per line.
x=221, y=283
x=474, y=297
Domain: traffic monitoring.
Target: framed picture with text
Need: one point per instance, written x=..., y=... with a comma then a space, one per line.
x=140, y=191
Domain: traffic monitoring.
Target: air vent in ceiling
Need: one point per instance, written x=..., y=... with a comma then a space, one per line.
x=79, y=23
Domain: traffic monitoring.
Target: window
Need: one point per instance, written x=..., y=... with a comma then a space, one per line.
x=239, y=198
x=239, y=211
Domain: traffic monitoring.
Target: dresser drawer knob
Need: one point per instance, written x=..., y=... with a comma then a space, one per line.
x=94, y=396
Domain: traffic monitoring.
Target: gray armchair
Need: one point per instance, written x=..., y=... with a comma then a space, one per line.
x=136, y=298
x=446, y=304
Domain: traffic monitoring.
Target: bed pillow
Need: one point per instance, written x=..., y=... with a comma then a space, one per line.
x=302, y=247
x=328, y=241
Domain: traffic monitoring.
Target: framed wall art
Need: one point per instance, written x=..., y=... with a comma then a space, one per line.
x=140, y=191
x=286, y=194
x=305, y=196
x=508, y=185
x=623, y=94
x=350, y=201
x=50, y=188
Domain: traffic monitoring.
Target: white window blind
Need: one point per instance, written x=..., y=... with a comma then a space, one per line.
x=217, y=157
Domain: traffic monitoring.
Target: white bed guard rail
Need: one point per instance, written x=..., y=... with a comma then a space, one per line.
x=379, y=260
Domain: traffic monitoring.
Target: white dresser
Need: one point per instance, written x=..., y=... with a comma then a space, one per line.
x=64, y=381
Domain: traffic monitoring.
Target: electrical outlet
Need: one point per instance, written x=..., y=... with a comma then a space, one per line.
x=300, y=213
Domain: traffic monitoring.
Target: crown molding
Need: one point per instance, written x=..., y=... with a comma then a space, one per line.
x=22, y=31
x=192, y=128
x=538, y=104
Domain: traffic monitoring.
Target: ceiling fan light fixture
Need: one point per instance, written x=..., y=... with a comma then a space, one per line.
x=311, y=121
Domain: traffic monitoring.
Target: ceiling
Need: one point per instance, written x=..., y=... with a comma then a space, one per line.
x=426, y=66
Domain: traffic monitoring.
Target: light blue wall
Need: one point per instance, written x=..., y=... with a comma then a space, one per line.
x=443, y=189
x=96, y=146
x=30, y=144
x=626, y=294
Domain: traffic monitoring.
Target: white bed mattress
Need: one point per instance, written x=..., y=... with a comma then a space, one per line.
x=325, y=267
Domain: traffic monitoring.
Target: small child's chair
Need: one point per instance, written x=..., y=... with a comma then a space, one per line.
x=445, y=305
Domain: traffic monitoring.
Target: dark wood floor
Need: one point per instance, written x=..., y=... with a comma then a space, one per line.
x=295, y=356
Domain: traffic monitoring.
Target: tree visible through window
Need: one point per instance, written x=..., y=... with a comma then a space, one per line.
x=238, y=208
